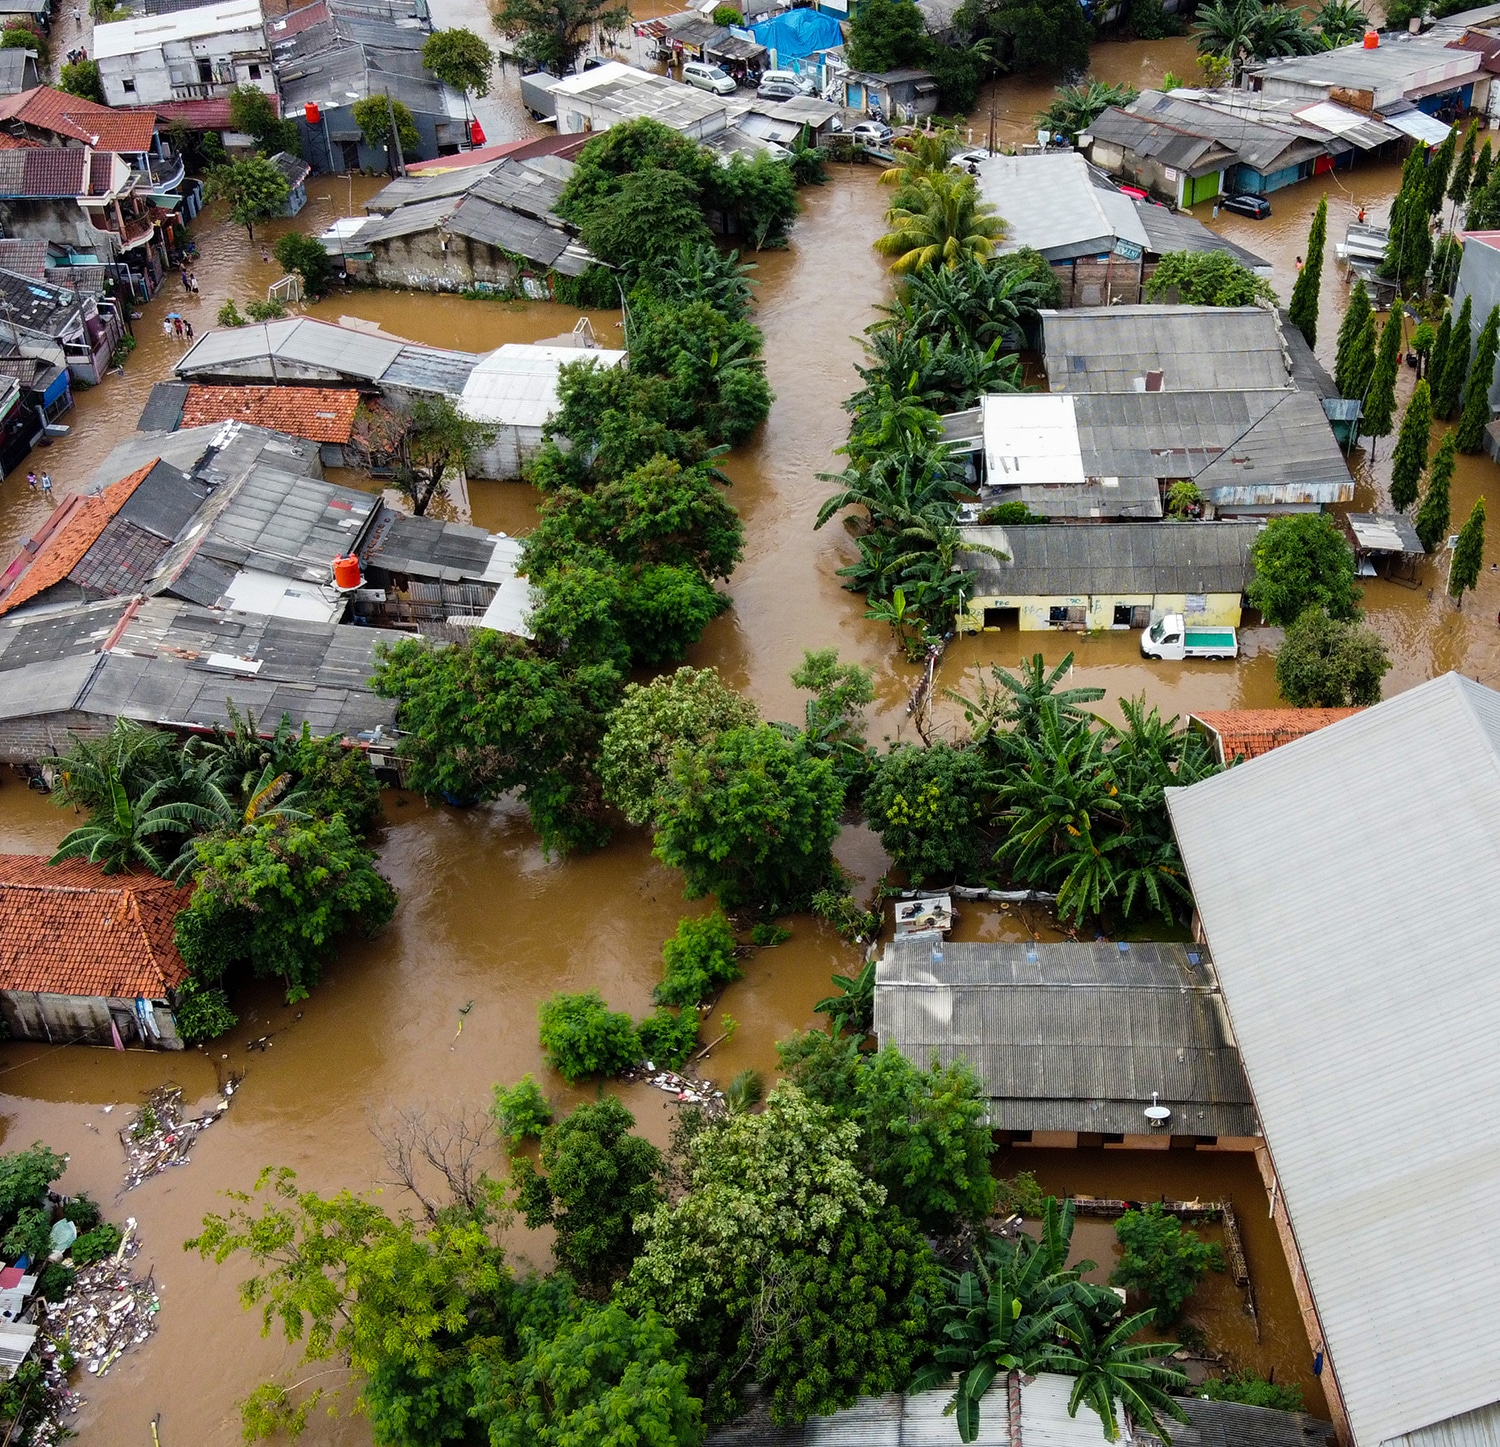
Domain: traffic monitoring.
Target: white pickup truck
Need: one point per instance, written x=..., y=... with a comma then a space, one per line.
x=1173, y=638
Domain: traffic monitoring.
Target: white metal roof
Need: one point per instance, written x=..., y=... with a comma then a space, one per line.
x=516, y=385
x=149, y=32
x=1420, y=127
x=1359, y=130
x=1050, y=203
x=1031, y=440
x=254, y=591
x=1346, y=884
x=510, y=608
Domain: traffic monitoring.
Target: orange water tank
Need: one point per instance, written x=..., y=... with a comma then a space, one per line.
x=311, y=113
x=1372, y=40
x=346, y=572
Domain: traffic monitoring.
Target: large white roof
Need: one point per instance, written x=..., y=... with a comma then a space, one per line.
x=149, y=32
x=1031, y=439
x=1347, y=886
x=516, y=385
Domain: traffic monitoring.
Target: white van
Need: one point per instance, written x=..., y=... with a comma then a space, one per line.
x=708, y=77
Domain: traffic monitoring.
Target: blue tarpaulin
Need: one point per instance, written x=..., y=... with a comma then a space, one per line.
x=798, y=33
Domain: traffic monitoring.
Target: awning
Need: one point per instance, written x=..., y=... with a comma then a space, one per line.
x=1427, y=129
x=1359, y=130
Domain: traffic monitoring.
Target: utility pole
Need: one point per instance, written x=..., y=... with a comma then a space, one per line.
x=399, y=159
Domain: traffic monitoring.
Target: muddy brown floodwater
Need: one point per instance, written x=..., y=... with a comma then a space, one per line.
x=486, y=922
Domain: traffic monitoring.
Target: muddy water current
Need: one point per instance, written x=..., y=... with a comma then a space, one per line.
x=444, y=1004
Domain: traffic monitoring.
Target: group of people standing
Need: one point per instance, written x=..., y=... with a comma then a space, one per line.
x=44, y=483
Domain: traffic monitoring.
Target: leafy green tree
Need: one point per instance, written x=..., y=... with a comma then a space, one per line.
x=686, y=709
x=834, y=717
x=782, y=1265
x=668, y=1039
x=1109, y=1367
x=648, y=217
x=1468, y=555
x=1410, y=458
x=887, y=35
x=521, y=1112
x=927, y=805
x=373, y=117
x=253, y=113
x=81, y=78
x=749, y=817
x=943, y=223
x=1434, y=514
x=552, y=34
x=664, y=611
x=1207, y=278
x=461, y=59
x=278, y=895
x=761, y=194
x=431, y=441
x=24, y=1178
x=1162, y=1260
x=1449, y=391
x=608, y=160
x=598, y=1180
x=700, y=958
x=1475, y=416
x=297, y=252
x=1252, y=1390
x=1027, y=35
x=1379, y=415
x=1439, y=169
x=607, y=1378
x=253, y=189
x=582, y=1037
x=923, y=1133
x=1302, y=561
x=1463, y=168
x=1340, y=22
x=1437, y=359
x=1327, y=663
x=1304, y=308
x=21, y=34
x=1075, y=108
x=31, y=1235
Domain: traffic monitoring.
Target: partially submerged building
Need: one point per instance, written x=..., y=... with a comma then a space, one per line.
x=1074, y=1044
x=88, y=957
x=1108, y=575
x=324, y=415
x=1355, y=963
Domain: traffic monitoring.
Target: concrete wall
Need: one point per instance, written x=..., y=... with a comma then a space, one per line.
x=507, y=458
x=422, y=263
x=323, y=145
x=25, y=740
x=85, y=1020
x=170, y=71
x=1221, y=609
x=1479, y=278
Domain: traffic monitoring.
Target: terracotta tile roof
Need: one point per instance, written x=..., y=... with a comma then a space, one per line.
x=75, y=529
x=49, y=109
x=196, y=115
x=71, y=929
x=24, y=254
x=17, y=143
x=321, y=414
x=45, y=171
x=1251, y=732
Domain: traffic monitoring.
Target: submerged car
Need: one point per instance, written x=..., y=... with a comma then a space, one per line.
x=1255, y=207
x=871, y=133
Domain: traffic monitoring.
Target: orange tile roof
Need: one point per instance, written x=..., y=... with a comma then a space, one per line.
x=49, y=109
x=1251, y=732
x=321, y=414
x=80, y=520
x=71, y=929
x=17, y=143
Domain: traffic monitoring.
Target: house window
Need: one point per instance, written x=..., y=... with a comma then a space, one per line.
x=255, y=72
x=1113, y=1138
x=128, y=86
x=1057, y=615
x=1002, y=617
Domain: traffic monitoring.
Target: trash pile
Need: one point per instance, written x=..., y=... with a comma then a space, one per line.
x=161, y=1134
x=687, y=1089
x=107, y=1311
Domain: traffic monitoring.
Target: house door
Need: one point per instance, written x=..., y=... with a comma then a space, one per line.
x=1002, y=617
x=854, y=96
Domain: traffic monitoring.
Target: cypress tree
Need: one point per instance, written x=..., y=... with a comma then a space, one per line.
x=1433, y=515
x=1304, y=308
x=1380, y=399
x=1463, y=168
x=1482, y=167
x=1439, y=168
x=1350, y=332
x=1410, y=458
x=1408, y=251
x=1439, y=354
x=1468, y=555
x=1484, y=201
x=1456, y=363
x=1476, y=414
x=1362, y=364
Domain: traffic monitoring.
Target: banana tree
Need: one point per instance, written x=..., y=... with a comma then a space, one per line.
x=126, y=833
x=1109, y=1368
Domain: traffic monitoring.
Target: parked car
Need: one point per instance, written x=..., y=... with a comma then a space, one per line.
x=803, y=83
x=965, y=159
x=777, y=90
x=1256, y=207
x=708, y=77
x=871, y=133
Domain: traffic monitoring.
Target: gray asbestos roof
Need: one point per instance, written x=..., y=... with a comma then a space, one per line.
x=1050, y=203
x=1346, y=884
x=1263, y=147
x=1168, y=146
x=217, y=453
x=1070, y=1037
x=1066, y=560
x=1168, y=231
x=1199, y=348
x=427, y=548
x=163, y=409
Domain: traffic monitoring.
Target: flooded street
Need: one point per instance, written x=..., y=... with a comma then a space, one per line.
x=485, y=921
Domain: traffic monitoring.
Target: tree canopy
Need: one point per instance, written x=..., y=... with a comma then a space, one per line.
x=373, y=117
x=552, y=34
x=1207, y=278
x=253, y=189
x=1302, y=561
x=461, y=59
x=1330, y=663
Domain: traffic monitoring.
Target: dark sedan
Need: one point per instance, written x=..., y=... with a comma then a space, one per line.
x=1255, y=207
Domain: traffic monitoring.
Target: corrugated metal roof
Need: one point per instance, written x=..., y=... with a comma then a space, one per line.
x=1262, y=145
x=1066, y=560
x=1153, y=138
x=1168, y=231
x=1071, y=1036
x=142, y=33
x=516, y=385
x=1051, y=204
x=1346, y=884
x=1353, y=126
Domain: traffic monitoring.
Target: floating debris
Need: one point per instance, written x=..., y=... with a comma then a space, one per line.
x=686, y=1089
x=161, y=1134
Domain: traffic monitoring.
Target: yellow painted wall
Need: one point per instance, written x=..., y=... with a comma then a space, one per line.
x=1223, y=609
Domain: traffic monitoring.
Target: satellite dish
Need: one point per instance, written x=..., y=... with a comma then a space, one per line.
x=1157, y=1113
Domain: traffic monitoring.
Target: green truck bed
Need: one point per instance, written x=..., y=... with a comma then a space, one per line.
x=1209, y=638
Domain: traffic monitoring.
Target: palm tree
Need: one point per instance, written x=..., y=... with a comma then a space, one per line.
x=1021, y=698
x=923, y=153
x=746, y=1091
x=1109, y=1369
x=1241, y=30
x=853, y=1008
x=944, y=223
x=128, y=833
x=1340, y=22
x=130, y=754
x=1076, y=107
